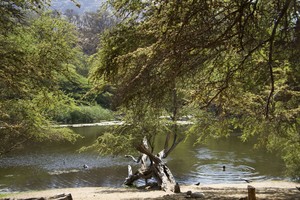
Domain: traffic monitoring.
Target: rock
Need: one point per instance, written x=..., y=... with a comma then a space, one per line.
x=195, y=195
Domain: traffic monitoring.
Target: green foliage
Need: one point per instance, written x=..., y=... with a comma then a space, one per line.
x=74, y=84
x=235, y=62
x=110, y=143
x=286, y=139
x=23, y=121
x=34, y=56
x=81, y=114
x=139, y=123
x=13, y=13
x=90, y=114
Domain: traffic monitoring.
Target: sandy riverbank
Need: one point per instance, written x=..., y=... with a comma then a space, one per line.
x=264, y=190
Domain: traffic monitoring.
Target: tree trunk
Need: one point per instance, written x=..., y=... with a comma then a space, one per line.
x=157, y=169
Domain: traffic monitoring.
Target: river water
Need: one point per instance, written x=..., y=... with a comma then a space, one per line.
x=59, y=165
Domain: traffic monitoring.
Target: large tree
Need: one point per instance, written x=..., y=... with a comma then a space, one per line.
x=235, y=61
x=36, y=51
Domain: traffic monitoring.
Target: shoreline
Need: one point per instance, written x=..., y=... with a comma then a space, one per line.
x=109, y=123
x=264, y=190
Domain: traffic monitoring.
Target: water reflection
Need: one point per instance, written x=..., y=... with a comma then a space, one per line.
x=240, y=160
x=60, y=165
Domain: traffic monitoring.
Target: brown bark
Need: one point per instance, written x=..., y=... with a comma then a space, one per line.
x=156, y=169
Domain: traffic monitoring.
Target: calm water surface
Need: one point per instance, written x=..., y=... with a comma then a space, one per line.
x=59, y=165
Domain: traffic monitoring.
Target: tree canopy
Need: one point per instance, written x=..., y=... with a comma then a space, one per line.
x=36, y=50
x=43, y=72
x=235, y=63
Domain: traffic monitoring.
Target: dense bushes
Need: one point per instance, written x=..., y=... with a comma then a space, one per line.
x=83, y=114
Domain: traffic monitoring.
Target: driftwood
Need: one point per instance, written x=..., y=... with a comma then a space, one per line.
x=56, y=197
x=155, y=168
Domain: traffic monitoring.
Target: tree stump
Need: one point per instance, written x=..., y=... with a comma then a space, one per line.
x=251, y=193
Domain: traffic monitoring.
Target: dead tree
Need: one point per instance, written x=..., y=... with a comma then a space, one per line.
x=155, y=167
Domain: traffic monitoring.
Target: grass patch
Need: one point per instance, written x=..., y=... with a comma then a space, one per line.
x=84, y=114
x=4, y=195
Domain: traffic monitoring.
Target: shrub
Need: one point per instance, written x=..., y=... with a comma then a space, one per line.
x=84, y=114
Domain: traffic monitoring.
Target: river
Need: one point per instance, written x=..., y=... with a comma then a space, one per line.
x=59, y=165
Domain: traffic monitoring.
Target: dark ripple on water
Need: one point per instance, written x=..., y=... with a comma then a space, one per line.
x=213, y=173
x=209, y=169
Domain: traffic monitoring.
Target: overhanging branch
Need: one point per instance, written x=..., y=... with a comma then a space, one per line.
x=271, y=50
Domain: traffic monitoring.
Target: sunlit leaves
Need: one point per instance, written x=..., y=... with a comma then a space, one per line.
x=109, y=143
x=33, y=61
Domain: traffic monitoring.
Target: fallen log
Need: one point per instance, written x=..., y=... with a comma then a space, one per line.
x=56, y=197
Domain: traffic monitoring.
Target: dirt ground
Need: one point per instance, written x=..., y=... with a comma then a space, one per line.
x=264, y=190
